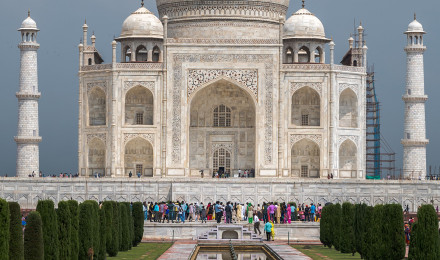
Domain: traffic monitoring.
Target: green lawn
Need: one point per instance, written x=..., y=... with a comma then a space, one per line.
x=144, y=251
x=321, y=252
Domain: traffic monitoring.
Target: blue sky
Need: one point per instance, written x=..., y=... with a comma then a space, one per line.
x=60, y=23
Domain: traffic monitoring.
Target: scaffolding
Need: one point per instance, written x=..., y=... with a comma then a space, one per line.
x=380, y=156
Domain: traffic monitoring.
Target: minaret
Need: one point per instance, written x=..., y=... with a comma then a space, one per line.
x=414, y=141
x=28, y=138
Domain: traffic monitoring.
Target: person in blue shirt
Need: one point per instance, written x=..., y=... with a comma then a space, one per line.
x=268, y=230
x=312, y=212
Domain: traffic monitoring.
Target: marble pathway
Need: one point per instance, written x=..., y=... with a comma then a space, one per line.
x=287, y=252
x=180, y=250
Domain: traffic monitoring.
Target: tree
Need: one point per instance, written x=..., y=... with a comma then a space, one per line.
x=88, y=232
x=33, y=237
x=360, y=226
x=50, y=229
x=347, y=239
x=138, y=222
x=102, y=234
x=111, y=238
x=74, y=221
x=4, y=230
x=336, y=226
x=131, y=225
x=115, y=229
x=325, y=226
x=64, y=230
x=425, y=241
x=393, y=238
x=123, y=218
x=376, y=246
x=367, y=237
x=15, y=232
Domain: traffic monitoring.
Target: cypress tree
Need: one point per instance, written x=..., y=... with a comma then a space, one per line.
x=138, y=222
x=33, y=237
x=393, y=238
x=425, y=241
x=359, y=226
x=336, y=226
x=325, y=227
x=88, y=229
x=116, y=227
x=64, y=230
x=123, y=223
x=15, y=232
x=4, y=230
x=130, y=225
x=50, y=229
x=102, y=234
x=347, y=244
x=367, y=237
x=376, y=245
x=74, y=221
x=111, y=247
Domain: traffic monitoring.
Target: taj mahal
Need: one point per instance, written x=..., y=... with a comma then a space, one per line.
x=222, y=87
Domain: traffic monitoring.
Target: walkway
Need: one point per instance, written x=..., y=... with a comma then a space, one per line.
x=181, y=250
x=287, y=252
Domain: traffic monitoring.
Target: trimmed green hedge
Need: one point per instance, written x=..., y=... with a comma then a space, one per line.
x=325, y=228
x=138, y=222
x=347, y=238
x=15, y=232
x=4, y=230
x=124, y=227
x=33, y=237
x=360, y=227
x=131, y=225
x=64, y=230
x=88, y=232
x=425, y=241
x=367, y=238
x=102, y=234
x=393, y=238
x=112, y=246
x=376, y=244
x=336, y=226
x=50, y=229
x=74, y=221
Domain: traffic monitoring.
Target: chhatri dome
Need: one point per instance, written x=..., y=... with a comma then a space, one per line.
x=29, y=23
x=304, y=24
x=142, y=24
x=415, y=26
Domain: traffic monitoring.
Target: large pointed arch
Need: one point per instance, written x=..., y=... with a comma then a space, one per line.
x=96, y=157
x=139, y=157
x=305, y=159
x=139, y=106
x=306, y=107
x=348, y=109
x=97, y=108
x=348, y=164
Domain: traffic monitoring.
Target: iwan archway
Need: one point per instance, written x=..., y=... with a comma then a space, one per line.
x=222, y=137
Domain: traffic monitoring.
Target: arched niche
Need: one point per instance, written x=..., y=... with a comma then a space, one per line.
x=96, y=157
x=97, y=107
x=347, y=159
x=306, y=107
x=305, y=159
x=348, y=109
x=138, y=157
x=156, y=54
x=319, y=55
x=139, y=106
x=127, y=54
x=289, y=55
x=141, y=53
x=304, y=55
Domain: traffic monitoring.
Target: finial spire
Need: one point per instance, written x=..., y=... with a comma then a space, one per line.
x=85, y=20
x=142, y=4
x=415, y=16
x=29, y=12
x=304, y=4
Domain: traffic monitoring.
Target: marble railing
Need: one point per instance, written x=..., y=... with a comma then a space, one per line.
x=123, y=66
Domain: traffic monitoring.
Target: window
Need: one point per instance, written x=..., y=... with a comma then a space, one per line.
x=409, y=91
x=127, y=54
x=305, y=120
x=222, y=159
x=222, y=116
x=289, y=55
x=156, y=54
x=139, y=118
x=408, y=136
x=139, y=168
x=90, y=61
x=355, y=63
x=35, y=132
x=141, y=53
x=304, y=171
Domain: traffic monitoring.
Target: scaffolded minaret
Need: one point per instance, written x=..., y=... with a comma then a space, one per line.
x=414, y=141
x=28, y=138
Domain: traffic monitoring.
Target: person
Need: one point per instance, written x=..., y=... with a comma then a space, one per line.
x=256, y=224
x=271, y=211
x=209, y=211
x=272, y=232
x=250, y=213
x=218, y=212
x=331, y=175
x=165, y=213
x=312, y=212
x=228, y=211
x=170, y=212
x=130, y=174
x=145, y=209
x=191, y=213
x=289, y=213
x=268, y=230
x=239, y=208
x=277, y=213
x=203, y=214
x=139, y=174
x=407, y=234
x=156, y=212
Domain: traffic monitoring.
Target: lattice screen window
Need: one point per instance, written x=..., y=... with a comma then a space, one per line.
x=222, y=158
x=139, y=118
x=304, y=171
x=305, y=120
x=222, y=116
x=139, y=168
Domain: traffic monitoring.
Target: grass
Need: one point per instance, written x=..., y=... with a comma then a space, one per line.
x=144, y=251
x=320, y=252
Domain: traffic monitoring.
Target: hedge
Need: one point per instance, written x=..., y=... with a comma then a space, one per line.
x=336, y=226
x=131, y=225
x=425, y=241
x=15, y=232
x=111, y=242
x=88, y=232
x=102, y=234
x=123, y=218
x=367, y=238
x=64, y=230
x=4, y=230
x=138, y=222
x=376, y=245
x=50, y=229
x=33, y=237
x=393, y=237
x=360, y=227
x=347, y=238
x=115, y=227
x=324, y=232
x=74, y=221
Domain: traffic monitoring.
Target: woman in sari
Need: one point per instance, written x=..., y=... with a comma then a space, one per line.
x=209, y=210
x=250, y=213
x=289, y=213
x=272, y=231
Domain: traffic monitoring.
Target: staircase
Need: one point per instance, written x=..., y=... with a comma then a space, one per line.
x=230, y=232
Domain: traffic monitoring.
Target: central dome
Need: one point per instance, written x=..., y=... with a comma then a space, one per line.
x=304, y=24
x=142, y=24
